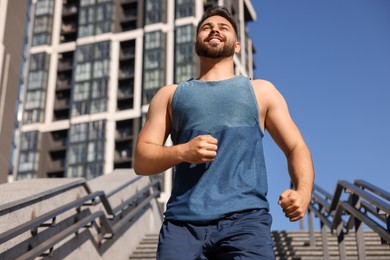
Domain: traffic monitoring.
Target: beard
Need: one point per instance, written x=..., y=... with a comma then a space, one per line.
x=223, y=49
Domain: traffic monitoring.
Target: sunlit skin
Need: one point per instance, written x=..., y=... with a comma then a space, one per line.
x=213, y=40
x=216, y=36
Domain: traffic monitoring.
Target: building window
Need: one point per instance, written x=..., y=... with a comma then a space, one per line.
x=86, y=150
x=153, y=78
x=185, y=8
x=91, y=79
x=43, y=22
x=29, y=156
x=154, y=11
x=184, y=53
x=36, y=88
x=95, y=17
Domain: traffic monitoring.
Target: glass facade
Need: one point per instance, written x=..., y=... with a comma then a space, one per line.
x=29, y=155
x=82, y=78
x=184, y=8
x=153, y=76
x=91, y=78
x=184, y=53
x=154, y=11
x=34, y=103
x=95, y=17
x=85, y=157
x=43, y=22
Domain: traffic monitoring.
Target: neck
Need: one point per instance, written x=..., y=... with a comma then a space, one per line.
x=216, y=69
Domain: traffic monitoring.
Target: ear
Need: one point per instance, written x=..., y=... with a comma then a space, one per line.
x=237, y=47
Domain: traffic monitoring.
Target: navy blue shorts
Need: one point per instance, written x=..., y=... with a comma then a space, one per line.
x=243, y=235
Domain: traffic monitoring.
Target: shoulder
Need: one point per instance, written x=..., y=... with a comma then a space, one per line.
x=266, y=91
x=263, y=85
x=164, y=94
x=162, y=99
x=167, y=90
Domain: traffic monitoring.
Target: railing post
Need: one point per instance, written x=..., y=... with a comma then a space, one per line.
x=311, y=229
x=341, y=241
x=324, y=236
x=360, y=239
x=388, y=229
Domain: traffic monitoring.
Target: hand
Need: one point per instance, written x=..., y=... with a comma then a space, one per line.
x=201, y=149
x=294, y=204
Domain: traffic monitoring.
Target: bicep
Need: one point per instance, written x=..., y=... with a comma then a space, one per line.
x=157, y=125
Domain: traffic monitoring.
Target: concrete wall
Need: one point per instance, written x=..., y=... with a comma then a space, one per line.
x=12, y=29
x=29, y=199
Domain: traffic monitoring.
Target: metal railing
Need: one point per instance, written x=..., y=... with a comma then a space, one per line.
x=350, y=207
x=106, y=222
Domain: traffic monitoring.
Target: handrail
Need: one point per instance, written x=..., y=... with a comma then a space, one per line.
x=112, y=221
x=118, y=226
x=385, y=207
x=38, y=250
x=32, y=224
x=343, y=206
x=374, y=189
x=135, y=198
x=323, y=192
x=126, y=184
x=9, y=207
x=366, y=204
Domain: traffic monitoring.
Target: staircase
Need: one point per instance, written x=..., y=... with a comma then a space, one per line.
x=295, y=245
x=146, y=249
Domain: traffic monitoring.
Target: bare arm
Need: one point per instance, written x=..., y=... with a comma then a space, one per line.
x=151, y=156
x=279, y=124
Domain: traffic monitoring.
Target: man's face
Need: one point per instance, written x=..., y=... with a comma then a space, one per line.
x=216, y=38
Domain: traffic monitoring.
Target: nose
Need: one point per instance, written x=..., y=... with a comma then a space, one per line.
x=214, y=30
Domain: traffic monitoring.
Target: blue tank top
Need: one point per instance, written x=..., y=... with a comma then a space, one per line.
x=236, y=180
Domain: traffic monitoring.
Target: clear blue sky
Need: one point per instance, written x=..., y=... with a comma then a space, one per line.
x=331, y=61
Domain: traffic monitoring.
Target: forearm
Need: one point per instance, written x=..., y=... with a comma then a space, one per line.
x=151, y=159
x=301, y=170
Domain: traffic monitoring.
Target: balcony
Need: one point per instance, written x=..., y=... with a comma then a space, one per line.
x=124, y=103
x=61, y=104
x=129, y=2
x=68, y=28
x=125, y=92
x=65, y=65
x=126, y=73
x=63, y=84
x=124, y=133
x=56, y=167
x=69, y=10
x=57, y=142
x=127, y=53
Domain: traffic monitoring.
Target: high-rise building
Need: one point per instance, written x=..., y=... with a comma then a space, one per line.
x=92, y=69
x=12, y=42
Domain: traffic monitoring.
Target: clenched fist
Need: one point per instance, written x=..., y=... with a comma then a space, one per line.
x=201, y=149
x=294, y=204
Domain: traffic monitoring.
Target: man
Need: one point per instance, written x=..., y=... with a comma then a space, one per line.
x=218, y=207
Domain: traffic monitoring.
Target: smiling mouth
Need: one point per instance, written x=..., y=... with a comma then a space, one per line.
x=214, y=39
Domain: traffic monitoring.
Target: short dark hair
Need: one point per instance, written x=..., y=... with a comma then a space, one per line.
x=217, y=11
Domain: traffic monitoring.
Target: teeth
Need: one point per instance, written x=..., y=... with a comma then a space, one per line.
x=215, y=40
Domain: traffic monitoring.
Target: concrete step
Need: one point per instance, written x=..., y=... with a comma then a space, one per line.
x=295, y=245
